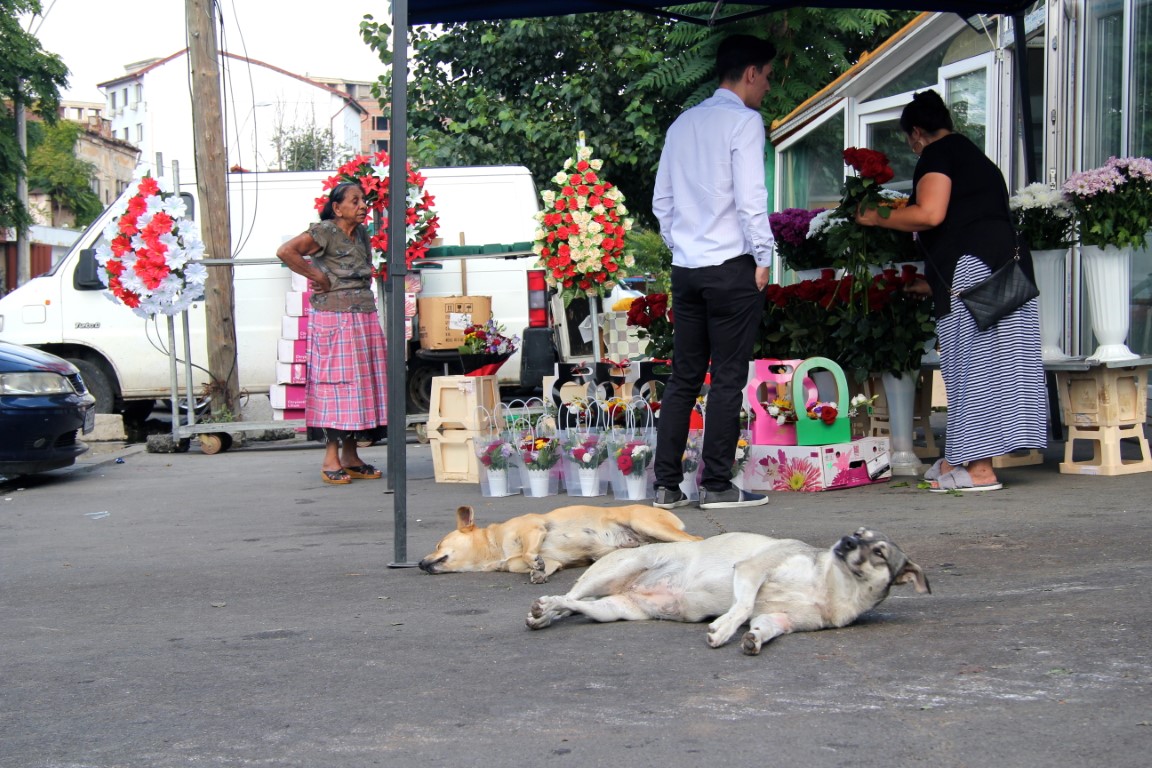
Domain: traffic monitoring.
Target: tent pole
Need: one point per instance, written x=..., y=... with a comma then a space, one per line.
x=1021, y=61
x=394, y=287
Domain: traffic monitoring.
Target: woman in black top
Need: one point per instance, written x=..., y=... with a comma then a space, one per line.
x=994, y=378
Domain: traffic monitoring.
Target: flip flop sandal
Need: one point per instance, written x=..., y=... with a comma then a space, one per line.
x=933, y=472
x=959, y=480
x=335, y=476
x=363, y=472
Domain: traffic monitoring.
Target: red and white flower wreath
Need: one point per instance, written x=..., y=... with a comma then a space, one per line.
x=150, y=254
x=421, y=224
x=580, y=242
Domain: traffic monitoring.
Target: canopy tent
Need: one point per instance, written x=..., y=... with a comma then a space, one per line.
x=409, y=12
x=449, y=11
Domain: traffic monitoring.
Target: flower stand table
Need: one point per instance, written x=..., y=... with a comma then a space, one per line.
x=1104, y=403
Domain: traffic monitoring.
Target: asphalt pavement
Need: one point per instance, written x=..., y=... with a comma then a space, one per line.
x=165, y=610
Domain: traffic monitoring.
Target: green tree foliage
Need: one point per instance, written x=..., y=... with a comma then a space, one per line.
x=518, y=91
x=305, y=148
x=53, y=168
x=30, y=75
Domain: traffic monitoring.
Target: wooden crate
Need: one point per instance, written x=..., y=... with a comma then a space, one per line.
x=463, y=402
x=454, y=457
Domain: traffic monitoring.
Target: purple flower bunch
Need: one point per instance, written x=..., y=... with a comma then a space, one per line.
x=1113, y=202
x=790, y=228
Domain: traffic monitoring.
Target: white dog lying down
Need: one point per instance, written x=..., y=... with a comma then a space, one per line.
x=779, y=585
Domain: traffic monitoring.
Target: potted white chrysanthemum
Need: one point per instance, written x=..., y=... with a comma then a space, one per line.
x=1044, y=219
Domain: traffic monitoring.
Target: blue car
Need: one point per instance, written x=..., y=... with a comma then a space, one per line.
x=44, y=408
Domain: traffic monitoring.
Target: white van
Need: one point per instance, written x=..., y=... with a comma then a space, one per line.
x=124, y=359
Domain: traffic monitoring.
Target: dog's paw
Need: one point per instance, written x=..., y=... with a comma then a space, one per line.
x=537, y=565
x=539, y=616
x=538, y=577
x=719, y=633
x=750, y=645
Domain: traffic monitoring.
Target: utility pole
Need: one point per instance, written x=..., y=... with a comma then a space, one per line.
x=23, y=244
x=211, y=182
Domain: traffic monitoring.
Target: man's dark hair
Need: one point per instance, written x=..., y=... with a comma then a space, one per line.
x=927, y=112
x=738, y=52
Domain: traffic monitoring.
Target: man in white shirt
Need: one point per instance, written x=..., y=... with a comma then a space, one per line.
x=712, y=206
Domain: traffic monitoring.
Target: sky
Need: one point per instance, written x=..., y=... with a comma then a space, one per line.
x=97, y=38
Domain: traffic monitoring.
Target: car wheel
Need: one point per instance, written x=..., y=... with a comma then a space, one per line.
x=97, y=383
x=419, y=390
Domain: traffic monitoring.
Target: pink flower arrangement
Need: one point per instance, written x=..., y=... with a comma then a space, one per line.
x=1113, y=202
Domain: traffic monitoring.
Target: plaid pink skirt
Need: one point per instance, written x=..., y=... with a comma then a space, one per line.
x=347, y=390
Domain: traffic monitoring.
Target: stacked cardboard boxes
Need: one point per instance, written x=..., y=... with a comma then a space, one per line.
x=287, y=394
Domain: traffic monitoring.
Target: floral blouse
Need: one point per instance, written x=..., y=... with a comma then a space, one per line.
x=347, y=262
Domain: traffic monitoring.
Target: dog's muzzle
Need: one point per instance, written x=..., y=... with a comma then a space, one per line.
x=429, y=566
x=844, y=546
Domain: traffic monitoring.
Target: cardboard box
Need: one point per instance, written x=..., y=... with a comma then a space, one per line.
x=443, y=319
x=291, y=373
x=409, y=305
x=299, y=282
x=287, y=414
x=295, y=328
x=286, y=396
x=811, y=468
x=297, y=303
x=291, y=351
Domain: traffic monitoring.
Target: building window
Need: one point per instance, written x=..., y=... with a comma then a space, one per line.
x=380, y=123
x=112, y=101
x=139, y=93
x=811, y=170
x=125, y=134
x=139, y=133
x=380, y=145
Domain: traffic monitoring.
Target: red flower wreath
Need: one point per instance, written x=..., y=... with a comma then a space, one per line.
x=421, y=224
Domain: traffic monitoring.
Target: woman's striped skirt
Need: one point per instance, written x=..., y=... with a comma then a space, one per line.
x=347, y=389
x=997, y=401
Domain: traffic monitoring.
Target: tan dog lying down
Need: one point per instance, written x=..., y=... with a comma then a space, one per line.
x=779, y=585
x=543, y=544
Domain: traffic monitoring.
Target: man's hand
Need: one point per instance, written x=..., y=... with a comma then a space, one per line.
x=762, y=276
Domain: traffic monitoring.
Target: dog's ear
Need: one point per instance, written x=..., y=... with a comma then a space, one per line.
x=914, y=574
x=465, y=518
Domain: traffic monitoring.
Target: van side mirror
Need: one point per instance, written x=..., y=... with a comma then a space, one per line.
x=86, y=277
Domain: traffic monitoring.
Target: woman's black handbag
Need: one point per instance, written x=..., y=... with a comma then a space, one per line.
x=998, y=295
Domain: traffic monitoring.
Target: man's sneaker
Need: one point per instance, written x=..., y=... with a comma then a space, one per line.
x=733, y=497
x=670, y=498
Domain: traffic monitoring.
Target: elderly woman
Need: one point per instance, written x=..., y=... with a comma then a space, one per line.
x=346, y=395
x=997, y=402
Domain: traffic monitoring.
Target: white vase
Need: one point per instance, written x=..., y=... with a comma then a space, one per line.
x=538, y=482
x=900, y=392
x=1107, y=271
x=636, y=486
x=808, y=274
x=589, y=481
x=497, y=482
x=1050, y=266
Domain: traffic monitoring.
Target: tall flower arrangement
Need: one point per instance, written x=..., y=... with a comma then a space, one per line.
x=421, y=222
x=580, y=239
x=1113, y=202
x=1044, y=216
x=150, y=254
